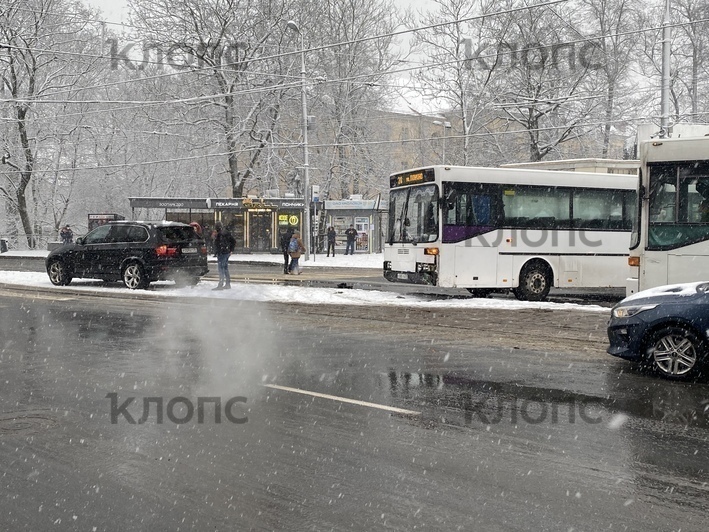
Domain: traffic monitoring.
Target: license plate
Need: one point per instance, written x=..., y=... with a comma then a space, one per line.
x=189, y=250
x=402, y=276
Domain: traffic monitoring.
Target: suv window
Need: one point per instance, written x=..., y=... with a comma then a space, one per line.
x=98, y=235
x=177, y=233
x=136, y=233
x=129, y=233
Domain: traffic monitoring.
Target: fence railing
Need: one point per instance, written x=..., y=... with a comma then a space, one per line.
x=18, y=241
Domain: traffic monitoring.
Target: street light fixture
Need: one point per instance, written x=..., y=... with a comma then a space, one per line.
x=446, y=126
x=306, y=167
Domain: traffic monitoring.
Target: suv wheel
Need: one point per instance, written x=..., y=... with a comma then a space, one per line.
x=58, y=273
x=675, y=352
x=134, y=276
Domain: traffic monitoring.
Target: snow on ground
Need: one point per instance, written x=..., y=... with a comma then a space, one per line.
x=364, y=260
x=291, y=294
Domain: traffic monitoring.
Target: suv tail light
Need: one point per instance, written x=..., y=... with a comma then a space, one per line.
x=166, y=251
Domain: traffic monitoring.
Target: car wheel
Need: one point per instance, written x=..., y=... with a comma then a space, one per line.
x=134, y=276
x=534, y=282
x=58, y=273
x=675, y=352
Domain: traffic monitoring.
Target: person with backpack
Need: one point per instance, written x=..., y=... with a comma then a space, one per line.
x=295, y=249
x=285, y=241
x=224, y=244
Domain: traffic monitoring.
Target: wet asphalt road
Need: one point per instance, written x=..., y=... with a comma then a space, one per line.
x=500, y=433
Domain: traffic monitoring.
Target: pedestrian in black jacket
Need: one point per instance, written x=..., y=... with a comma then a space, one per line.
x=285, y=241
x=351, y=235
x=331, y=238
x=224, y=244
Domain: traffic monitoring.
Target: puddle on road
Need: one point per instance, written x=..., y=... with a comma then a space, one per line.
x=488, y=402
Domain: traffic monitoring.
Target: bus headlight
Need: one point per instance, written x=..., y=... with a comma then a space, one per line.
x=387, y=265
x=430, y=251
x=424, y=267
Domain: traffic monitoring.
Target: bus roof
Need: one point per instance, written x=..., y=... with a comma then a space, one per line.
x=674, y=149
x=525, y=176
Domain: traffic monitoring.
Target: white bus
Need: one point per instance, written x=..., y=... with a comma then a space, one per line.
x=491, y=229
x=670, y=239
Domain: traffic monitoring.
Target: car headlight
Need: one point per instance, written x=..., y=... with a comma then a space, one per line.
x=626, y=312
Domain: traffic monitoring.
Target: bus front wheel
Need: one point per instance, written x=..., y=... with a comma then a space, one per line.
x=534, y=282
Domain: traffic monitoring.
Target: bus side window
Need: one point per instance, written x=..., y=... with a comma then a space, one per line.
x=457, y=208
x=479, y=210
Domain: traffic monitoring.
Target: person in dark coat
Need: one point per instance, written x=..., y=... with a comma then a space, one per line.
x=331, y=237
x=285, y=241
x=224, y=244
x=351, y=235
x=67, y=235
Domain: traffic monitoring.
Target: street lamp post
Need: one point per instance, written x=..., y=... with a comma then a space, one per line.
x=446, y=126
x=306, y=167
x=666, y=57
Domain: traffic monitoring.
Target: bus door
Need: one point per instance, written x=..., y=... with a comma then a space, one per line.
x=678, y=227
x=470, y=220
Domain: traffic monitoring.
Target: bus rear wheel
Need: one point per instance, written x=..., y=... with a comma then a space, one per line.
x=534, y=282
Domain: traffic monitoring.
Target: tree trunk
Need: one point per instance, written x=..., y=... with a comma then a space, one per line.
x=25, y=178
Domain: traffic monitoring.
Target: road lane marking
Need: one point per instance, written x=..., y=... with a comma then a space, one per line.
x=345, y=400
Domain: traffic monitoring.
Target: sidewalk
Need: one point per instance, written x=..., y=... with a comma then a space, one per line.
x=364, y=260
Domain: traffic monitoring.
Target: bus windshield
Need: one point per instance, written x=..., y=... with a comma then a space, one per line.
x=413, y=214
x=679, y=204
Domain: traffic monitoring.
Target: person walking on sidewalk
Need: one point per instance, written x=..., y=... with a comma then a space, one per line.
x=331, y=237
x=295, y=249
x=285, y=240
x=224, y=244
x=351, y=235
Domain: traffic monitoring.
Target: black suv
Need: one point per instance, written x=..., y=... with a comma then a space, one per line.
x=135, y=252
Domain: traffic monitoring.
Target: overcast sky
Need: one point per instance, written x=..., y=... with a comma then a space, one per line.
x=115, y=9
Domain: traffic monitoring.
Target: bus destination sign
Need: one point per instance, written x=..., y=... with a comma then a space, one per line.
x=411, y=178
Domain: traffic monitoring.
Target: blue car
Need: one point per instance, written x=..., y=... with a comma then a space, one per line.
x=664, y=328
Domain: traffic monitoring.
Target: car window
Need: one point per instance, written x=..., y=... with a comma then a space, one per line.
x=98, y=235
x=137, y=233
x=177, y=233
x=128, y=233
x=119, y=233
